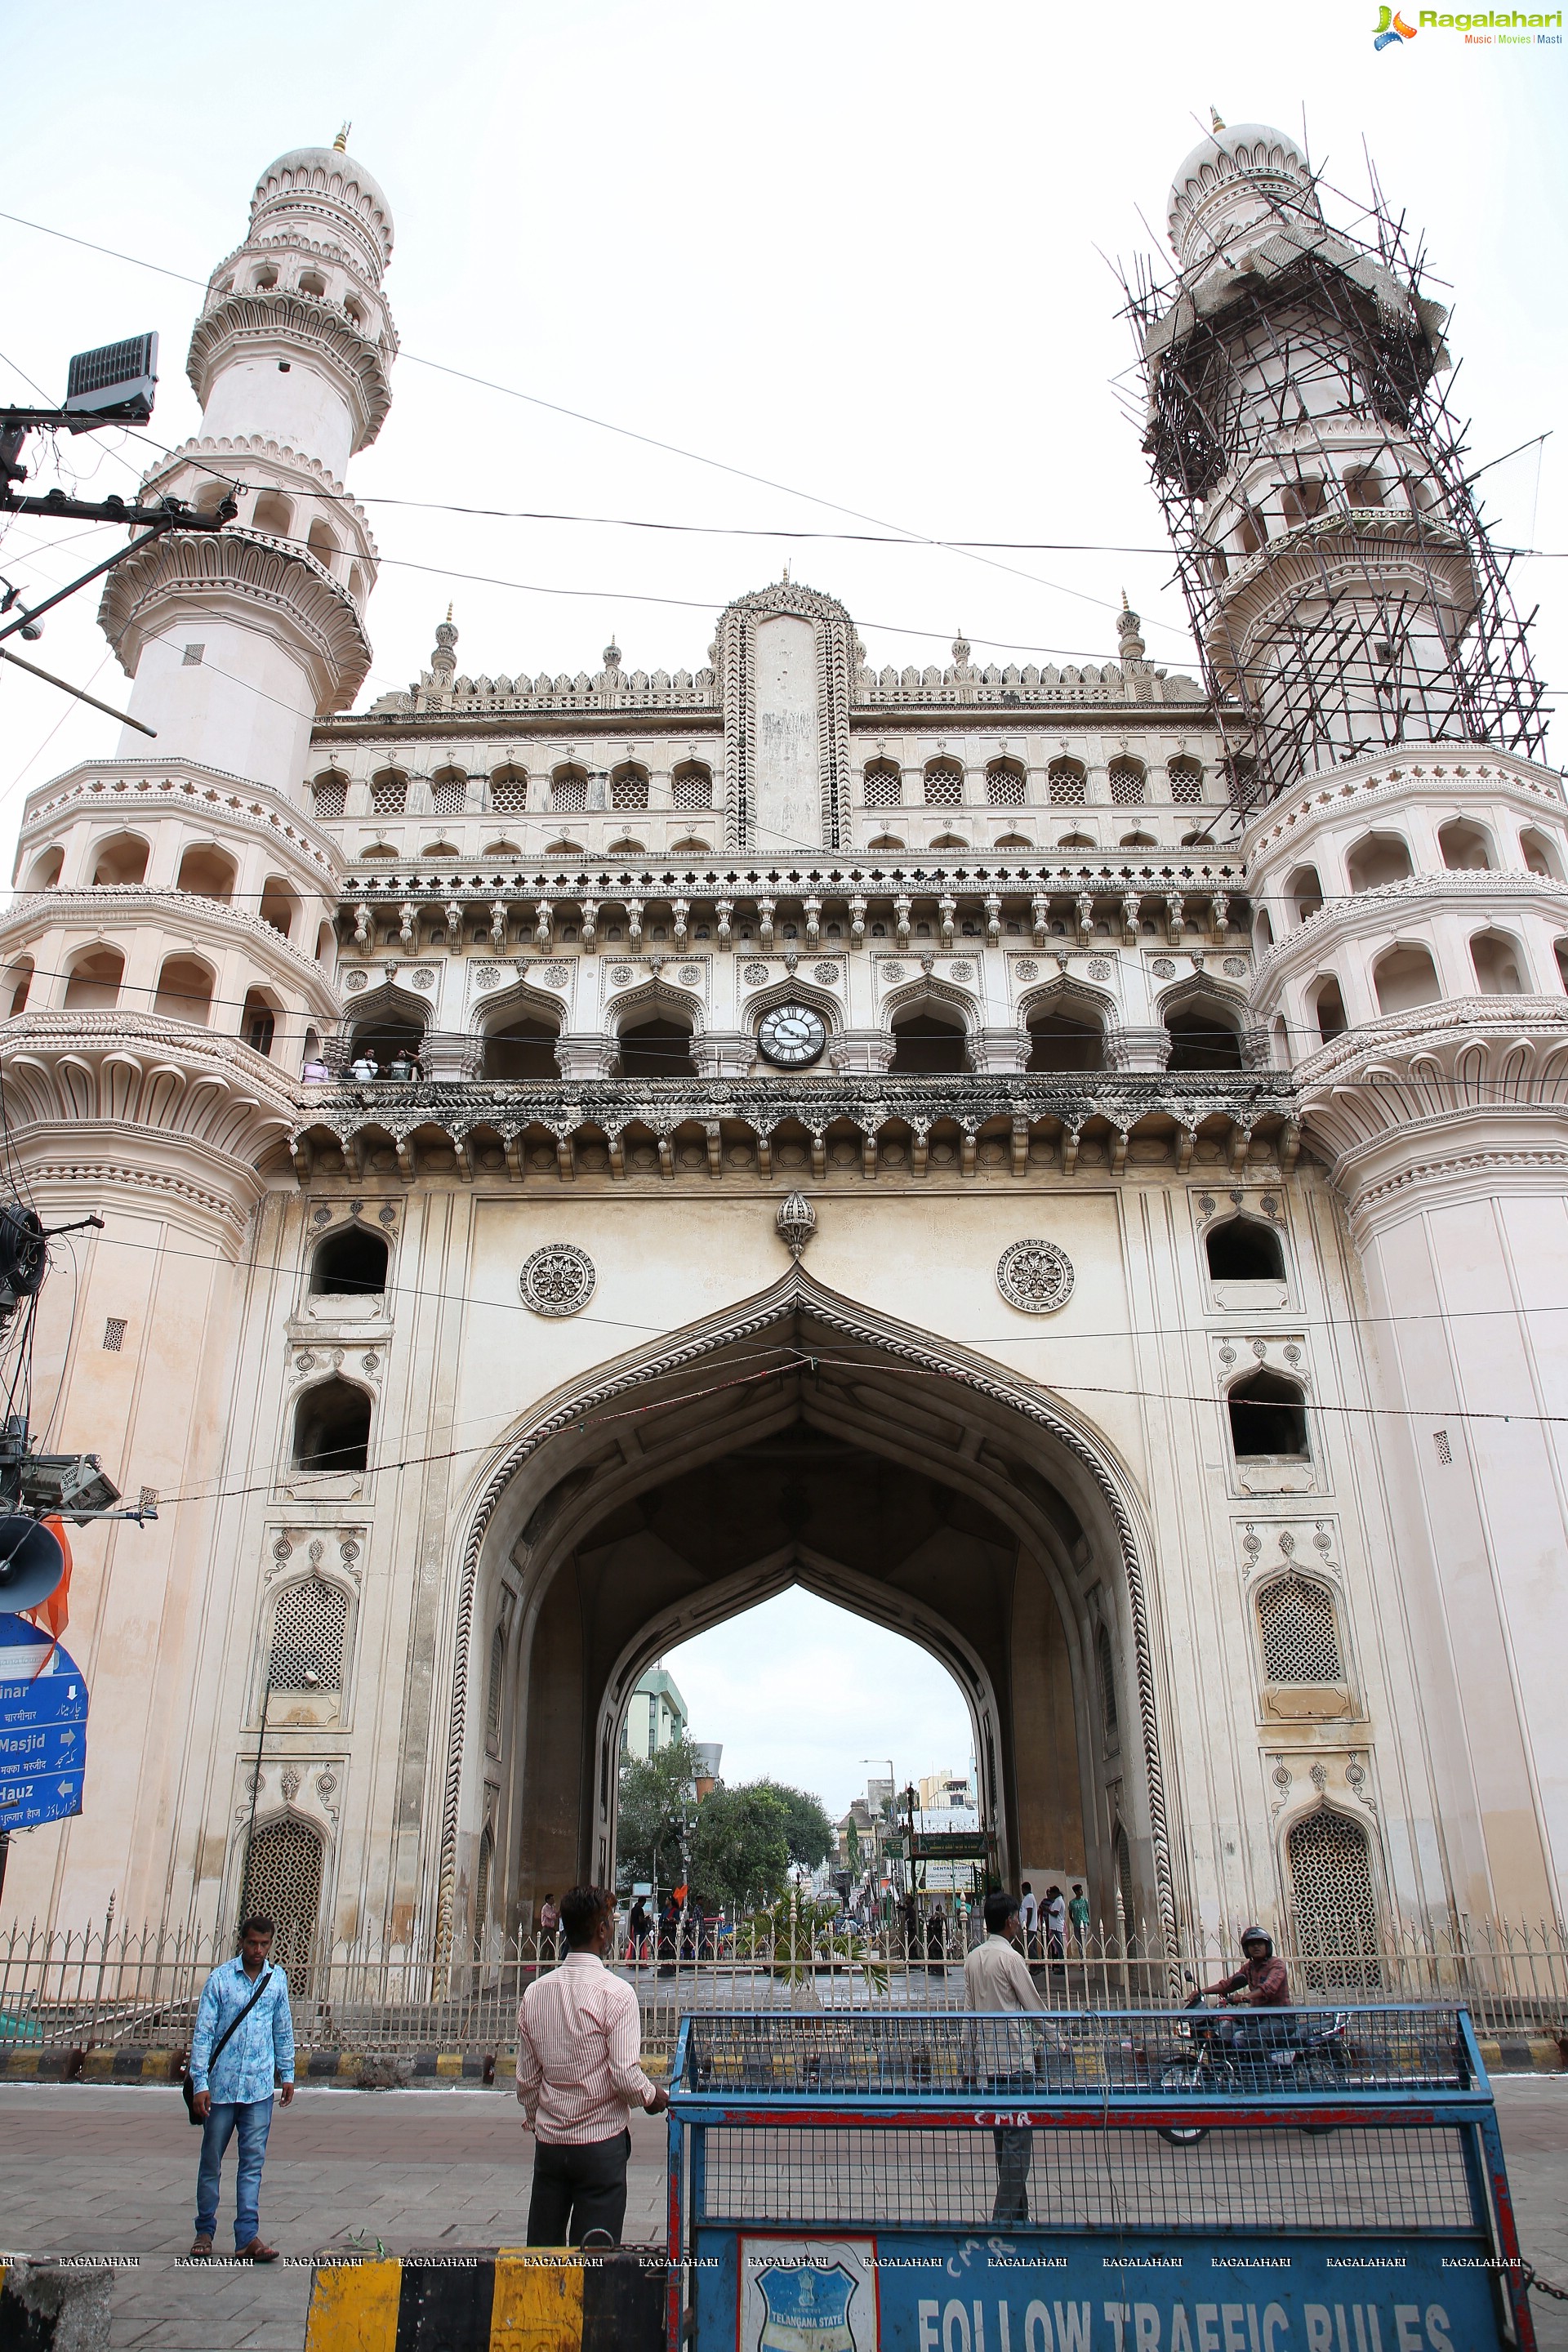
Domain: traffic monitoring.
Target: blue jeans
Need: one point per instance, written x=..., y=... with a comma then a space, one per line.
x=252, y=2119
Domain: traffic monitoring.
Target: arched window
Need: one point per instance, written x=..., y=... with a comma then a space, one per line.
x=1129, y=784
x=1300, y=500
x=257, y=1020
x=523, y=1053
x=1105, y=1669
x=1305, y=893
x=207, y=873
x=1202, y=1038
x=884, y=784
x=313, y=282
x=1404, y=978
x=310, y=1632
x=93, y=985
x=282, y=1881
x=1121, y=1853
x=185, y=990
x=321, y=542
x=385, y=1035
x=929, y=1042
x=19, y=979
x=1186, y=780
x=331, y=1427
x=351, y=1264
x=886, y=841
x=280, y=908
x=1335, y=1907
x=1298, y=1628
x=943, y=784
x=1377, y=859
x=1066, y=784
x=691, y=786
x=450, y=792
x=122, y=861
x=656, y=1048
x=509, y=792
x=1363, y=487
x=45, y=872
x=1465, y=846
x=274, y=513
x=482, y=1889
x=1268, y=1419
x=265, y=278
x=211, y=496
x=1498, y=961
x=496, y=1686
x=569, y=790
x=1244, y=1249
x=1066, y=1038
x=1241, y=778
x=1251, y=531
x=1328, y=1005
x=1262, y=931
x=1004, y=784
x=1541, y=856
x=356, y=583
x=389, y=794
x=629, y=786
x=329, y=795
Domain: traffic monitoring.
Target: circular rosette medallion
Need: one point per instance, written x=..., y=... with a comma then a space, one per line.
x=1035, y=1276
x=558, y=1279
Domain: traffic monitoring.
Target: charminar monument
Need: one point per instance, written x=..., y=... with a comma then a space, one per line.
x=1067, y=1163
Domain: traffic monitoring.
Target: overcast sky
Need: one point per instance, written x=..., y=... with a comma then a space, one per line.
x=858, y=250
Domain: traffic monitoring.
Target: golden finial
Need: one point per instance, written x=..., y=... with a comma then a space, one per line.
x=448, y=614
x=1125, y=606
x=1217, y=120
x=341, y=143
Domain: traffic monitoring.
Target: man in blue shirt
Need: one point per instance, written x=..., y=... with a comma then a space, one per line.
x=232, y=2092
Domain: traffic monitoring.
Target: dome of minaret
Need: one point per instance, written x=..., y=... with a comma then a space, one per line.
x=1243, y=177
x=325, y=180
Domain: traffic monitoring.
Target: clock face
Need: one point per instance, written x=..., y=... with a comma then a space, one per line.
x=791, y=1035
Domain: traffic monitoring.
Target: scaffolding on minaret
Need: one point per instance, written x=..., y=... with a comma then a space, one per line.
x=1355, y=600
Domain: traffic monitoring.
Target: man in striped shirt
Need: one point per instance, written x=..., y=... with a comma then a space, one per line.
x=579, y=2075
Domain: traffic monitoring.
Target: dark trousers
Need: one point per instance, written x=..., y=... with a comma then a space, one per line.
x=576, y=2190
x=1014, y=2155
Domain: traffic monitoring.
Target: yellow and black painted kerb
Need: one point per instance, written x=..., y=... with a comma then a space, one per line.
x=508, y=2299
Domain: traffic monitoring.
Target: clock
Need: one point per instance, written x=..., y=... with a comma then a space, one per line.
x=791, y=1035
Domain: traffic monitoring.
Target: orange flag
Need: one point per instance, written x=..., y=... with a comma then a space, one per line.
x=53, y=1615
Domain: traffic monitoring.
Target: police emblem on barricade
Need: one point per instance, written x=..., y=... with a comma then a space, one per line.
x=806, y=2295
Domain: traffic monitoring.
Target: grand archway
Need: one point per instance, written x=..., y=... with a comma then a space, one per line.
x=801, y=1438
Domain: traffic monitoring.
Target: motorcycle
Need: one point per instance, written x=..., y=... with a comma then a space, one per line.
x=1254, y=2053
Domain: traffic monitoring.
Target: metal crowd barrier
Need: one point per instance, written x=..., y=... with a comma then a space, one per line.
x=1135, y=2181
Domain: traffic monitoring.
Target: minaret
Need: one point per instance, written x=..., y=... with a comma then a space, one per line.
x=1407, y=857
x=238, y=641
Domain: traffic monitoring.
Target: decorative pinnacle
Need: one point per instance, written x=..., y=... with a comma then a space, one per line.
x=961, y=647
x=795, y=1222
x=1216, y=120
x=611, y=656
x=341, y=143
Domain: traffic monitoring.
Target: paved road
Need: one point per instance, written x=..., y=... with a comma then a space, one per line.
x=89, y=2170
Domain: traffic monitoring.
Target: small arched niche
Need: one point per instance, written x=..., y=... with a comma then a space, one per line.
x=929, y=1042
x=1542, y=854
x=1404, y=978
x=1378, y=859
x=184, y=991
x=18, y=982
x=121, y=862
x=521, y=1052
x=258, y=1020
x=1246, y=1262
x=1203, y=1036
x=657, y=1047
x=1268, y=1419
x=1329, y=1009
x=1305, y=893
x=1500, y=964
x=93, y=982
x=273, y=513
x=1065, y=1036
x=351, y=1264
x=45, y=870
x=280, y=908
x=1466, y=847
x=332, y=1428
x=207, y=873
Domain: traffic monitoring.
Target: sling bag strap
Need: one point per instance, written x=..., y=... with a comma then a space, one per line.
x=225, y=2038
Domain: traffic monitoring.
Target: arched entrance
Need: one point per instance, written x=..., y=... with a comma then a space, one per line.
x=802, y=1438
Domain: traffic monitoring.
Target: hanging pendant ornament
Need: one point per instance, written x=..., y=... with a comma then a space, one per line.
x=795, y=1222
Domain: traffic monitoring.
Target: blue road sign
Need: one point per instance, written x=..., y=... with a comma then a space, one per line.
x=42, y=1727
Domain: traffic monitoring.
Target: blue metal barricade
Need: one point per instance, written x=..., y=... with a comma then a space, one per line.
x=1186, y=2181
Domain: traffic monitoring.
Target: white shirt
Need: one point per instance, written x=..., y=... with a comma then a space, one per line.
x=1028, y=1909
x=579, y=2053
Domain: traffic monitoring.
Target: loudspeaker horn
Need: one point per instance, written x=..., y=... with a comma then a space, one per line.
x=31, y=1563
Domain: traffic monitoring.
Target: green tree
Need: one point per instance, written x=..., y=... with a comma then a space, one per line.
x=657, y=1795
x=740, y=1847
x=809, y=1830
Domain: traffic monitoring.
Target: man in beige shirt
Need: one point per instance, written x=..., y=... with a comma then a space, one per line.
x=997, y=1983
x=579, y=2075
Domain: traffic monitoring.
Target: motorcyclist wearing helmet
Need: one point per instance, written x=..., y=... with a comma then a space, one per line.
x=1263, y=1981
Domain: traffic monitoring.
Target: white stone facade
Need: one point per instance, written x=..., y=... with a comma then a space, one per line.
x=481, y=1388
